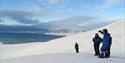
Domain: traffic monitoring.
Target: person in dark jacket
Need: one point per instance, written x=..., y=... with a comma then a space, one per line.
x=97, y=40
x=105, y=43
x=77, y=47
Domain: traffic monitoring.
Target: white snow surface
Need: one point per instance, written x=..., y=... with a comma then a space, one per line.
x=62, y=50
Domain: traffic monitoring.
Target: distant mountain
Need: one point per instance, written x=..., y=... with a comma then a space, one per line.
x=76, y=23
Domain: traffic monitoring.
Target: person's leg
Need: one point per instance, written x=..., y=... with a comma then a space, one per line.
x=102, y=54
x=98, y=52
x=77, y=50
x=95, y=49
x=108, y=52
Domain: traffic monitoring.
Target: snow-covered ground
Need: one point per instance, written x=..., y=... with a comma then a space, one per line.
x=62, y=50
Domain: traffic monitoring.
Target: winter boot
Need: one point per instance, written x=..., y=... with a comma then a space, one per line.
x=96, y=54
x=101, y=55
x=106, y=55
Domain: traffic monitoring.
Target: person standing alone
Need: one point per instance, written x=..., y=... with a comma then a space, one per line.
x=77, y=47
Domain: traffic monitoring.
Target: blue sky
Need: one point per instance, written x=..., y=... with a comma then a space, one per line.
x=34, y=11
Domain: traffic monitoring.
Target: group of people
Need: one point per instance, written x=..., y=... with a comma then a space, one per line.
x=104, y=51
x=106, y=44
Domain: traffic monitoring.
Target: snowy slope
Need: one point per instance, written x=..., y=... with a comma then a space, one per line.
x=62, y=50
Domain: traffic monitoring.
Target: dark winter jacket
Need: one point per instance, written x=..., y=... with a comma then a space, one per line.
x=76, y=46
x=97, y=40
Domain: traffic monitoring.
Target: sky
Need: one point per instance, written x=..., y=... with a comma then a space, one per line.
x=30, y=12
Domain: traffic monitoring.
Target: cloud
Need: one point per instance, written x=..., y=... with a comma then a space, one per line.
x=23, y=17
x=35, y=9
x=1, y=20
x=52, y=1
x=110, y=3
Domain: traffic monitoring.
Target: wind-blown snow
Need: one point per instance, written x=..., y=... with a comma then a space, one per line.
x=62, y=50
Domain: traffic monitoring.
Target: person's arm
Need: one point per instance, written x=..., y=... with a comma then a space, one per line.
x=100, y=32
